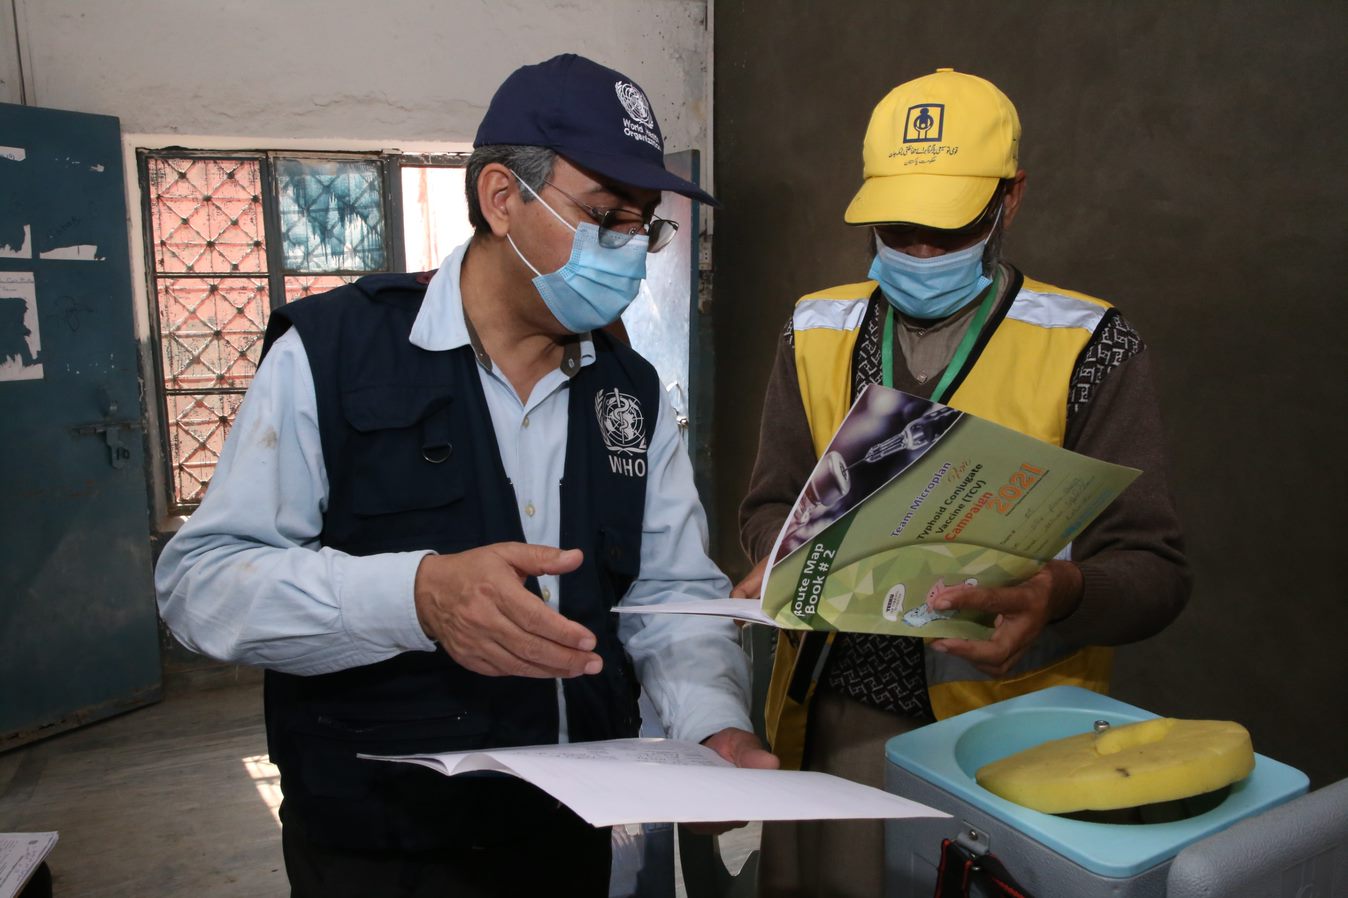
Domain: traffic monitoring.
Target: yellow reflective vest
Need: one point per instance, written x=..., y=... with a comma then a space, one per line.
x=1018, y=376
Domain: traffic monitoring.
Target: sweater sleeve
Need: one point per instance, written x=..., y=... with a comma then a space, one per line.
x=1136, y=576
x=785, y=456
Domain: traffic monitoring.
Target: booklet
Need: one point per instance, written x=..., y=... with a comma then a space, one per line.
x=20, y=856
x=670, y=781
x=911, y=498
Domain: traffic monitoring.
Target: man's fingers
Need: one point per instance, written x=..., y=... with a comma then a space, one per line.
x=977, y=652
x=751, y=587
x=531, y=560
x=531, y=614
x=499, y=647
x=995, y=656
x=758, y=759
x=537, y=653
x=741, y=748
x=495, y=659
x=748, y=588
x=990, y=600
x=476, y=606
x=531, y=657
x=746, y=751
x=992, y=663
x=963, y=598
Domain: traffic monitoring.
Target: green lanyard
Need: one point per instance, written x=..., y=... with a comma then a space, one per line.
x=957, y=361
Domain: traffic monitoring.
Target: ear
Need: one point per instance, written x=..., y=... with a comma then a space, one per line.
x=1011, y=202
x=495, y=188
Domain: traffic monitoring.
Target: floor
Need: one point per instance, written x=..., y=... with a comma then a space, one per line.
x=176, y=799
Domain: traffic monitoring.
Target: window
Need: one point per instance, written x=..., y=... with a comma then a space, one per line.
x=231, y=236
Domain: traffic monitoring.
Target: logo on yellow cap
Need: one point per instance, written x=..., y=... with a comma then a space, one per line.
x=925, y=123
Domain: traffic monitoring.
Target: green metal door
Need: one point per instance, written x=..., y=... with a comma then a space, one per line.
x=78, y=631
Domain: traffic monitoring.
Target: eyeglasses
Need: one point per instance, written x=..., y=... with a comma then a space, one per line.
x=617, y=226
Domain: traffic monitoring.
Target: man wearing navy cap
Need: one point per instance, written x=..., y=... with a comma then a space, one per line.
x=434, y=493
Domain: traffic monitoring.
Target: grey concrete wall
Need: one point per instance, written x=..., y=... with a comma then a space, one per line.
x=1186, y=161
x=402, y=69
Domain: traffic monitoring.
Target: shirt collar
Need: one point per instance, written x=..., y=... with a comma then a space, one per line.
x=442, y=325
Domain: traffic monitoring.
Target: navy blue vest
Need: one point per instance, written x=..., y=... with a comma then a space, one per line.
x=412, y=463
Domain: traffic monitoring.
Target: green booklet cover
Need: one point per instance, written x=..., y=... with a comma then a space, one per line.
x=913, y=497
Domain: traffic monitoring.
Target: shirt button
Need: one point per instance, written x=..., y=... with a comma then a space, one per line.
x=922, y=378
x=547, y=594
x=922, y=333
x=525, y=422
x=529, y=509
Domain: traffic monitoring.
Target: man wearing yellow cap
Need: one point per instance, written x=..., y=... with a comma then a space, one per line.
x=943, y=316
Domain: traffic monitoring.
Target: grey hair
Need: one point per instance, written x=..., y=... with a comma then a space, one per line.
x=532, y=165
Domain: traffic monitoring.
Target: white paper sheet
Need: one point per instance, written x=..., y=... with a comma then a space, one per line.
x=20, y=342
x=20, y=854
x=665, y=780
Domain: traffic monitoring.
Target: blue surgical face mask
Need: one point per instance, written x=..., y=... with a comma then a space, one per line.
x=597, y=284
x=930, y=288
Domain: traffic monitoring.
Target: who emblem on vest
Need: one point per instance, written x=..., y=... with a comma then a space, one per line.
x=622, y=425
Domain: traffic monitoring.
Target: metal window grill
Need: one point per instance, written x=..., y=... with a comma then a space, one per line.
x=230, y=236
x=207, y=238
x=207, y=215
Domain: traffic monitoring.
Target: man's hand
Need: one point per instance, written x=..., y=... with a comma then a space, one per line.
x=741, y=748
x=1022, y=613
x=751, y=587
x=475, y=605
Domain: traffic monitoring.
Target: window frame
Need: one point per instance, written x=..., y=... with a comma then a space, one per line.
x=390, y=162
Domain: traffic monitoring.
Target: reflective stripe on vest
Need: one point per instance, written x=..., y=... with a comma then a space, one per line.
x=1051, y=310
x=1020, y=380
x=825, y=326
x=1022, y=376
x=830, y=314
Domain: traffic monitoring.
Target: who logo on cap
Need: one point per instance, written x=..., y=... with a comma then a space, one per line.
x=594, y=116
x=934, y=152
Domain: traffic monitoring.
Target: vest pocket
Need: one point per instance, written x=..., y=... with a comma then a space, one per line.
x=331, y=741
x=400, y=453
x=619, y=558
x=416, y=731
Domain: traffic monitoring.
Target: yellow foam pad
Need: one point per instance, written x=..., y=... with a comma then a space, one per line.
x=1123, y=767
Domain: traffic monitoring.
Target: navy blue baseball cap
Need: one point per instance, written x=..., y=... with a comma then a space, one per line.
x=593, y=116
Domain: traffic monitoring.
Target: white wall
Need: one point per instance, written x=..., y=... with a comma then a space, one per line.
x=377, y=70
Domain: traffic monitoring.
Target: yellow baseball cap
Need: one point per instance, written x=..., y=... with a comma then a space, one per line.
x=935, y=150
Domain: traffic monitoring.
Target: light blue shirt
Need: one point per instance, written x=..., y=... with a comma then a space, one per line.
x=245, y=579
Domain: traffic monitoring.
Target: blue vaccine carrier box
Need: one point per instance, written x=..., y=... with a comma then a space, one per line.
x=1051, y=856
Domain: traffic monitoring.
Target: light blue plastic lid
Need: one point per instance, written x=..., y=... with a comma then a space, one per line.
x=949, y=752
